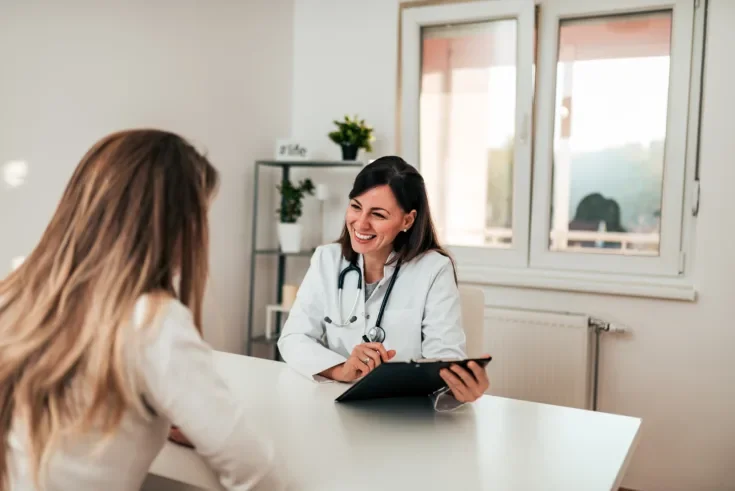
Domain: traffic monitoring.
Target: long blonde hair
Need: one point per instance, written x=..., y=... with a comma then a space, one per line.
x=132, y=219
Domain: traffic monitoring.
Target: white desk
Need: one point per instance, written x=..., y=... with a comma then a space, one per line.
x=494, y=444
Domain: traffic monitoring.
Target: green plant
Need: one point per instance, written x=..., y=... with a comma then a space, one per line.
x=353, y=132
x=291, y=199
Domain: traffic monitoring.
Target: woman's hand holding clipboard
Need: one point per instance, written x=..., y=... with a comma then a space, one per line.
x=467, y=384
x=466, y=379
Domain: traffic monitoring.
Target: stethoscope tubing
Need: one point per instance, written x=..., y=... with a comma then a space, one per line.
x=376, y=333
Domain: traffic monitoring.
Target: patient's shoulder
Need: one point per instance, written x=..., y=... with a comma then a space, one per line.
x=160, y=309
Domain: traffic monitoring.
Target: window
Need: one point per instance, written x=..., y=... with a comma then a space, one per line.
x=466, y=96
x=467, y=114
x=616, y=70
x=559, y=137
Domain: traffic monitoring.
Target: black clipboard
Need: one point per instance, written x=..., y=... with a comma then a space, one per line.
x=404, y=379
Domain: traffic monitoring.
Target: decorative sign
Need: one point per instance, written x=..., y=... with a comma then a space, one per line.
x=291, y=150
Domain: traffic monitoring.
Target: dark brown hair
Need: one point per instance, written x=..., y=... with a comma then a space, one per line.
x=409, y=190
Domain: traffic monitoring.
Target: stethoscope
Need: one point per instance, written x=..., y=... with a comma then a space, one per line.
x=375, y=334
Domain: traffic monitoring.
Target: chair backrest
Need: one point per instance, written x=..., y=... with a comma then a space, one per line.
x=473, y=318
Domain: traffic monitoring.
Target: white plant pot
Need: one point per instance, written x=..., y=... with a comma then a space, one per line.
x=289, y=236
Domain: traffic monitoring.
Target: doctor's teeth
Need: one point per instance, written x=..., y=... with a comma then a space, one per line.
x=364, y=237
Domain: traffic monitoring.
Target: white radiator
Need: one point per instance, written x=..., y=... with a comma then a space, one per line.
x=540, y=356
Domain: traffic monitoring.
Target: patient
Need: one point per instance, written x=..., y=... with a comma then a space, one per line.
x=100, y=331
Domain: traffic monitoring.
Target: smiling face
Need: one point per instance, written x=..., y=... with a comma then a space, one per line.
x=374, y=219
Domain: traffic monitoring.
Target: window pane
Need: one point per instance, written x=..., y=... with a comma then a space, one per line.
x=611, y=99
x=467, y=126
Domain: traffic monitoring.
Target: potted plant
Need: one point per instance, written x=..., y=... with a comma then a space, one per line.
x=352, y=135
x=289, y=232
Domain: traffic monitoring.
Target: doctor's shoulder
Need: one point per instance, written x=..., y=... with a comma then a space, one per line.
x=432, y=263
x=328, y=252
x=325, y=264
x=327, y=257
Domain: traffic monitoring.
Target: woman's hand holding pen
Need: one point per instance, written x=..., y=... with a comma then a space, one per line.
x=364, y=358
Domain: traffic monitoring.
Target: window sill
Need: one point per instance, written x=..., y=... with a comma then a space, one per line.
x=599, y=283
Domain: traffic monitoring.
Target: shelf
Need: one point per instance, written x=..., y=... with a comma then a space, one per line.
x=269, y=311
x=263, y=340
x=311, y=163
x=277, y=252
x=284, y=167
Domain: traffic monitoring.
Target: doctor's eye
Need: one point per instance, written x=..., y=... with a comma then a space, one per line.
x=355, y=206
x=379, y=215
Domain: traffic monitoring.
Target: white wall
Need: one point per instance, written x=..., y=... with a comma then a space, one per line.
x=344, y=63
x=675, y=369
x=218, y=73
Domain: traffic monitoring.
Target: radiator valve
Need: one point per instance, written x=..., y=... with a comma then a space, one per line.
x=603, y=326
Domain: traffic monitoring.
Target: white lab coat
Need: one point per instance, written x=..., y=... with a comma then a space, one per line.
x=422, y=318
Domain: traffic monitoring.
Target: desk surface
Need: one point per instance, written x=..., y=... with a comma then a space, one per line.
x=494, y=444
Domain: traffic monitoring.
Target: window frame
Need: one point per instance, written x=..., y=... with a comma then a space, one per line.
x=671, y=277
x=413, y=20
x=668, y=261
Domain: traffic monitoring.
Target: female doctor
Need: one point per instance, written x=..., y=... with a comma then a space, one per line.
x=385, y=291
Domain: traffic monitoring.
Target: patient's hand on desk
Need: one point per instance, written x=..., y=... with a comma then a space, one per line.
x=176, y=436
x=364, y=358
x=466, y=386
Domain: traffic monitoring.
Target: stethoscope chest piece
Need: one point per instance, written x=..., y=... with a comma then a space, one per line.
x=376, y=334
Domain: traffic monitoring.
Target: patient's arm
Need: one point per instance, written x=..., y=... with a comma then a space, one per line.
x=181, y=383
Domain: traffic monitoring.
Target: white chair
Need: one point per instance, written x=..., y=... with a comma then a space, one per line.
x=473, y=318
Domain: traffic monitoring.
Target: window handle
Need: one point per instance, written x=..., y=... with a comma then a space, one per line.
x=524, y=129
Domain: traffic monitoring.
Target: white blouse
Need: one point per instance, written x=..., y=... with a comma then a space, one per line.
x=181, y=385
